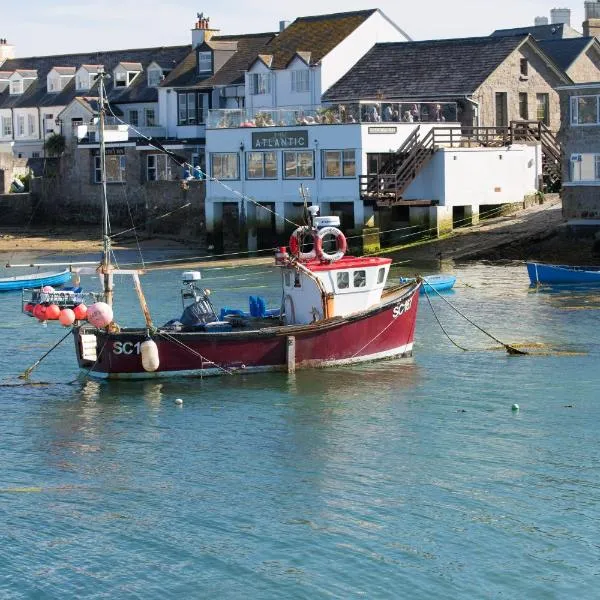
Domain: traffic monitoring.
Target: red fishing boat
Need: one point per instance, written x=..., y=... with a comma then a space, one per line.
x=336, y=310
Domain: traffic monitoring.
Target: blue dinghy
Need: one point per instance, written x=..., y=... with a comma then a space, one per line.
x=543, y=274
x=434, y=283
x=18, y=282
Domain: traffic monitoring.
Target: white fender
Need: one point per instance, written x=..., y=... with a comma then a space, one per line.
x=149, y=352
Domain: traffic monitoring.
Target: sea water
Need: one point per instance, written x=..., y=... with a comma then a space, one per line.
x=398, y=479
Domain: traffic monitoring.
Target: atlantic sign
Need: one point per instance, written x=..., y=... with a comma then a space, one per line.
x=272, y=140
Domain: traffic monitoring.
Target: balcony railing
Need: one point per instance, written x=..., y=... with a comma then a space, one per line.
x=333, y=114
x=592, y=10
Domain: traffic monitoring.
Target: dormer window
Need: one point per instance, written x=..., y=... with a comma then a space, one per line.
x=154, y=77
x=124, y=73
x=86, y=76
x=260, y=83
x=16, y=86
x=205, y=62
x=121, y=79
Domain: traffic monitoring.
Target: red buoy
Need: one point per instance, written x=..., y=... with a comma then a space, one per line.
x=80, y=311
x=39, y=312
x=66, y=317
x=52, y=312
x=28, y=308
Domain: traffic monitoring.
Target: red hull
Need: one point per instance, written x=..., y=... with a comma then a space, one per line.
x=384, y=331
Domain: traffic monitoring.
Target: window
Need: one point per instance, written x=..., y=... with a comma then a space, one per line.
x=343, y=280
x=585, y=167
x=300, y=81
x=31, y=125
x=523, y=106
x=120, y=79
x=35, y=155
x=154, y=77
x=524, y=67
x=261, y=165
x=49, y=123
x=16, y=87
x=158, y=167
x=225, y=165
x=7, y=127
x=20, y=125
x=360, y=279
x=584, y=110
x=115, y=169
x=542, y=112
x=53, y=85
x=501, y=109
x=380, y=275
x=298, y=165
x=260, y=83
x=190, y=108
x=134, y=118
x=338, y=163
x=205, y=62
x=149, y=117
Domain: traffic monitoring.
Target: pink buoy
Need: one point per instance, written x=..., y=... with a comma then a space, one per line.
x=66, y=317
x=100, y=314
x=52, y=312
x=47, y=289
x=80, y=311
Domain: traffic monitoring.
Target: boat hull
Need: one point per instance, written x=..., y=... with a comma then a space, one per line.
x=434, y=283
x=383, y=331
x=562, y=274
x=32, y=281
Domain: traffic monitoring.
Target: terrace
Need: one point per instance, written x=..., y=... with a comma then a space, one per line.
x=334, y=114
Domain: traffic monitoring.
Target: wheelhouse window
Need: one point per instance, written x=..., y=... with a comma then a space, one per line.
x=300, y=80
x=225, y=165
x=299, y=165
x=360, y=279
x=338, y=163
x=261, y=165
x=584, y=110
x=585, y=167
x=260, y=83
x=380, y=275
x=343, y=280
x=191, y=108
x=158, y=167
x=205, y=62
x=543, y=108
x=115, y=169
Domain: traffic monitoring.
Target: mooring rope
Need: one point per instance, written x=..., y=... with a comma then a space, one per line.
x=440, y=323
x=27, y=372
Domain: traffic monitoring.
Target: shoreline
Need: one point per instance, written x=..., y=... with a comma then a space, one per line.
x=534, y=233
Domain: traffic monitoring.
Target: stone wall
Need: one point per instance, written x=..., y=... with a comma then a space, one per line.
x=10, y=167
x=581, y=202
x=507, y=78
x=586, y=67
x=72, y=197
x=16, y=210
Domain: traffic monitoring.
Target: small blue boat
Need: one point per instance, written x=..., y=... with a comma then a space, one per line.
x=434, y=283
x=542, y=274
x=19, y=282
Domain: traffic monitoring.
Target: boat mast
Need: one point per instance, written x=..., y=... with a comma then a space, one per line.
x=106, y=267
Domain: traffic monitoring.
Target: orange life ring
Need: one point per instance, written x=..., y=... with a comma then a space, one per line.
x=340, y=242
x=295, y=243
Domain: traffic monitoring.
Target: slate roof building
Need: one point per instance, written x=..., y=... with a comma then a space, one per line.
x=494, y=80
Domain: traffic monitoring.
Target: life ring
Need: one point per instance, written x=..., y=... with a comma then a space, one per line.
x=340, y=242
x=295, y=243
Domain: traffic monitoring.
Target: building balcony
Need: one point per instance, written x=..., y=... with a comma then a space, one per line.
x=88, y=134
x=334, y=114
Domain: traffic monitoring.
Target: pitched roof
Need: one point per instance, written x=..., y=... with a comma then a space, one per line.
x=65, y=70
x=317, y=34
x=541, y=32
x=564, y=52
x=37, y=95
x=425, y=69
x=232, y=72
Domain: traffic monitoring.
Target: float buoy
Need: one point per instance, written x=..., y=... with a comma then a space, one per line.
x=80, y=312
x=66, y=317
x=52, y=312
x=99, y=314
x=39, y=312
x=296, y=243
x=340, y=243
x=149, y=352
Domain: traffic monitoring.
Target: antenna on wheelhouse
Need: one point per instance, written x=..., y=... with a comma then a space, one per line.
x=106, y=267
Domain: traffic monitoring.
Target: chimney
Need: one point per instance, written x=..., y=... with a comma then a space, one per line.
x=540, y=21
x=560, y=16
x=6, y=50
x=283, y=25
x=202, y=31
x=591, y=25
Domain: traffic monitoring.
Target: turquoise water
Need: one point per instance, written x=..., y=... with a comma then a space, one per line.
x=396, y=479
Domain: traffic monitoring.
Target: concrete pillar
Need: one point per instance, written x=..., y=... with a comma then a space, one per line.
x=252, y=226
x=472, y=214
x=279, y=220
x=359, y=214
x=440, y=219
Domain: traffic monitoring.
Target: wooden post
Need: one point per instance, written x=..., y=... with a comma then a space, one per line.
x=291, y=354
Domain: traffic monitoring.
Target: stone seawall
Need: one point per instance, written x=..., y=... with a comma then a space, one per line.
x=16, y=210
